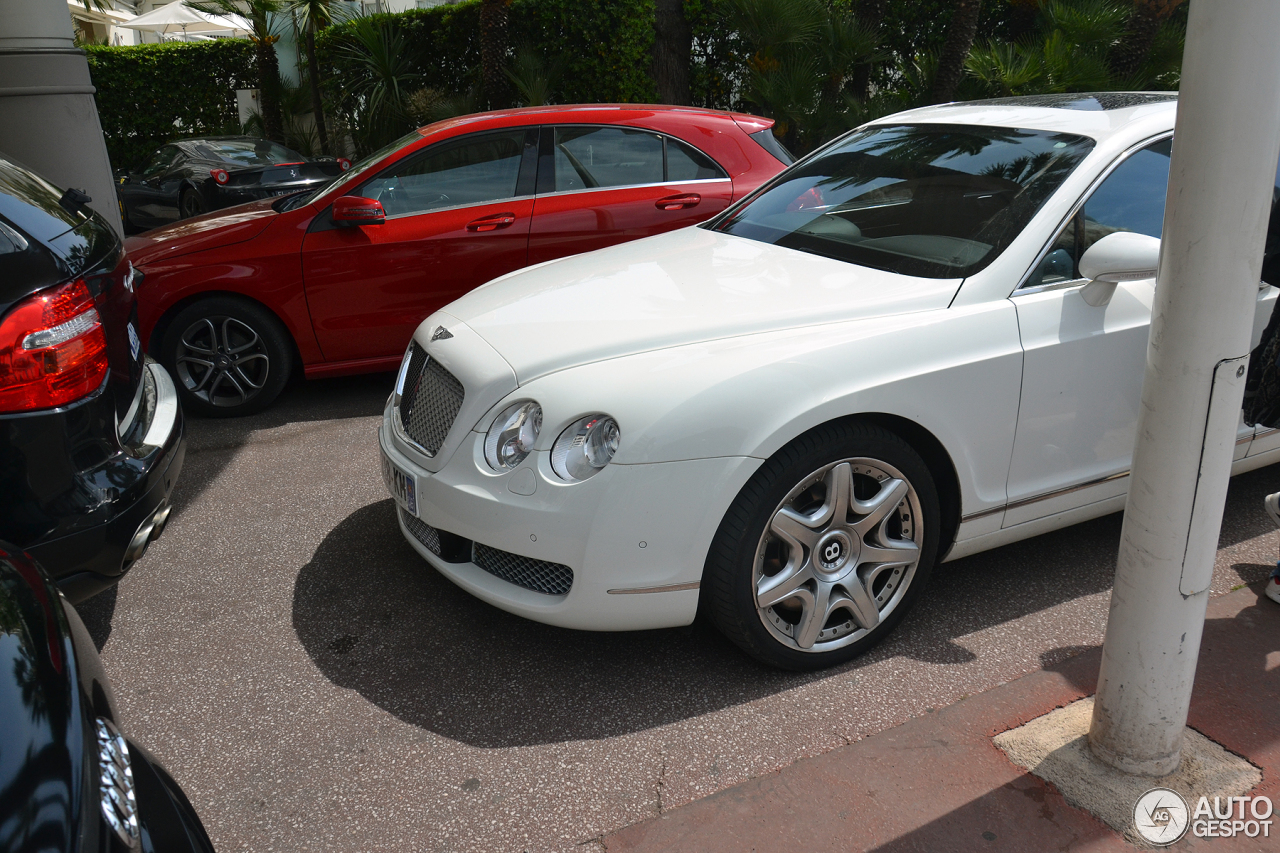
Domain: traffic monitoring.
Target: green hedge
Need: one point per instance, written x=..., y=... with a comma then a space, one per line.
x=150, y=94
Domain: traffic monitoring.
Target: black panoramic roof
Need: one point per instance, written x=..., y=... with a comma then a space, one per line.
x=1092, y=102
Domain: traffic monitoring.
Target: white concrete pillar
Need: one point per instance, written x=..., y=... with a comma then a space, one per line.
x=1220, y=182
x=48, y=118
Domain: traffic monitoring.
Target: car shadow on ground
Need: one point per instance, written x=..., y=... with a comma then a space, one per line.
x=377, y=619
x=213, y=442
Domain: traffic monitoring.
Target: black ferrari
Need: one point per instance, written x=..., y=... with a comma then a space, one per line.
x=192, y=176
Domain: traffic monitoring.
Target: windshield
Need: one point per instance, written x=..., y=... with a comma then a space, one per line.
x=937, y=201
x=245, y=152
x=357, y=169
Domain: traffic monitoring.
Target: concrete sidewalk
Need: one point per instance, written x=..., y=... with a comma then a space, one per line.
x=938, y=783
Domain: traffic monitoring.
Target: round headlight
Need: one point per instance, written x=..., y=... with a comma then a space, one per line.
x=512, y=435
x=585, y=447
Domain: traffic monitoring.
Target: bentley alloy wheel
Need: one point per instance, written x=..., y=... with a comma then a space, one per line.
x=838, y=555
x=826, y=547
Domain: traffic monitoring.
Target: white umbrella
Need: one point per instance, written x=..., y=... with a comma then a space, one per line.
x=179, y=18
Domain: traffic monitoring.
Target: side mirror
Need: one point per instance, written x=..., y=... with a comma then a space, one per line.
x=122, y=176
x=1117, y=257
x=354, y=210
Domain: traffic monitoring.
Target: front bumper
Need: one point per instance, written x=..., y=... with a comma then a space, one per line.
x=634, y=536
x=99, y=552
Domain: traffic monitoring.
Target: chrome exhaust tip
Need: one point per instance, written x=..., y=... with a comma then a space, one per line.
x=147, y=532
x=159, y=520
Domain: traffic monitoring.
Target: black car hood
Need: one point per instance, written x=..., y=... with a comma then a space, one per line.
x=43, y=749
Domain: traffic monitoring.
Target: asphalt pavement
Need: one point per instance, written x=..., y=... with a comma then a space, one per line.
x=315, y=686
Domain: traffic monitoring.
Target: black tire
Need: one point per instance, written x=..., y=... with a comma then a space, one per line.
x=796, y=481
x=190, y=204
x=227, y=356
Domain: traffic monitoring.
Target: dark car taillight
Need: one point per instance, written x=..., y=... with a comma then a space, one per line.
x=220, y=175
x=53, y=350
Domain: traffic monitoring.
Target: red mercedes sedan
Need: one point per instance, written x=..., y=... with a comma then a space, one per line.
x=335, y=280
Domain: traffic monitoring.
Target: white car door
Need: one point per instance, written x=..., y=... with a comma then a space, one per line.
x=1083, y=365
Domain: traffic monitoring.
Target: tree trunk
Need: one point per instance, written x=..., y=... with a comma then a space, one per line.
x=960, y=33
x=317, y=106
x=268, y=84
x=870, y=13
x=493, y=52
x=672, y=52
x=1140, y=34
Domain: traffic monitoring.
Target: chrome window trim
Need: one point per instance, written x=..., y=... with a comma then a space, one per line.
x=458, y=206
x=1075, y=208
x=536, y=196
x=634, y=187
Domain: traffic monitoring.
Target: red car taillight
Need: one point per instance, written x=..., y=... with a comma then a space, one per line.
x=220, y=175
x=53, y=350
x=344, y=163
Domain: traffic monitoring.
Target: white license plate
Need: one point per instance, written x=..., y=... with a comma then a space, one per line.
x=401, y=485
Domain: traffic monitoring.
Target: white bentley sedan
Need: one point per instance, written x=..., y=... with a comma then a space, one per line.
x=924, y=340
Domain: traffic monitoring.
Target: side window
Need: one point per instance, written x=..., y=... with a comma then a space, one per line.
x=470, y=171
x=1130, y=199
x=589, y=157
x=160, y=161
x=685, y=163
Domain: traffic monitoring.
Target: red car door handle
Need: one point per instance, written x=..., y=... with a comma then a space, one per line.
x=492, y=223
x=678, y=202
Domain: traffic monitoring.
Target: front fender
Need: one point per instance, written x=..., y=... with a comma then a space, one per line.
x=955, y=372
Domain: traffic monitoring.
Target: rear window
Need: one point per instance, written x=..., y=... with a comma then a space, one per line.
x=766, y=140
x=245, y=152
x=31, y=203
x=935, y=201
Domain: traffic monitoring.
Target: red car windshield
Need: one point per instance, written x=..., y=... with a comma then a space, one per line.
x=356, y=171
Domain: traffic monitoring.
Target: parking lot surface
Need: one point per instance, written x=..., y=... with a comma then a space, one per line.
x=315, y=686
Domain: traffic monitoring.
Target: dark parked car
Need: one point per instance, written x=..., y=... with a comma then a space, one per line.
x=69, y=780
x=91, y=432
x=192, y=176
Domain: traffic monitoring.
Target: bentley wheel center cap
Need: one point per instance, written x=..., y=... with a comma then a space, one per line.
x=835, y=550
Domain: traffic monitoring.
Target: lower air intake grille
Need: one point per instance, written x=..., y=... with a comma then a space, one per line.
x=537, y=575
x=423, y=532
x=432, y=398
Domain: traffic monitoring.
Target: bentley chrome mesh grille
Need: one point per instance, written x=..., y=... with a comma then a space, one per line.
x=423, y=532
x=432, y=398
x=537, y=575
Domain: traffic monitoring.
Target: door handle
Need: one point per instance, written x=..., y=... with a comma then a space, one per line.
x=678, y=202
x=492, y=223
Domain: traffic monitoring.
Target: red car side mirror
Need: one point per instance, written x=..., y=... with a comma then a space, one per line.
x=354, y=210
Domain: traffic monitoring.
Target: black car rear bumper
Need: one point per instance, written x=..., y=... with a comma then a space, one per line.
x=108, y=513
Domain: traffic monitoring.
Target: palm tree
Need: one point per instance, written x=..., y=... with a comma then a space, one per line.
x=493, y=50
x=804, y=53
x=313, y=16
x=955, y=50
x=1128, y=56
x=381, y=79
x=258, y=13
x=672, y=52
